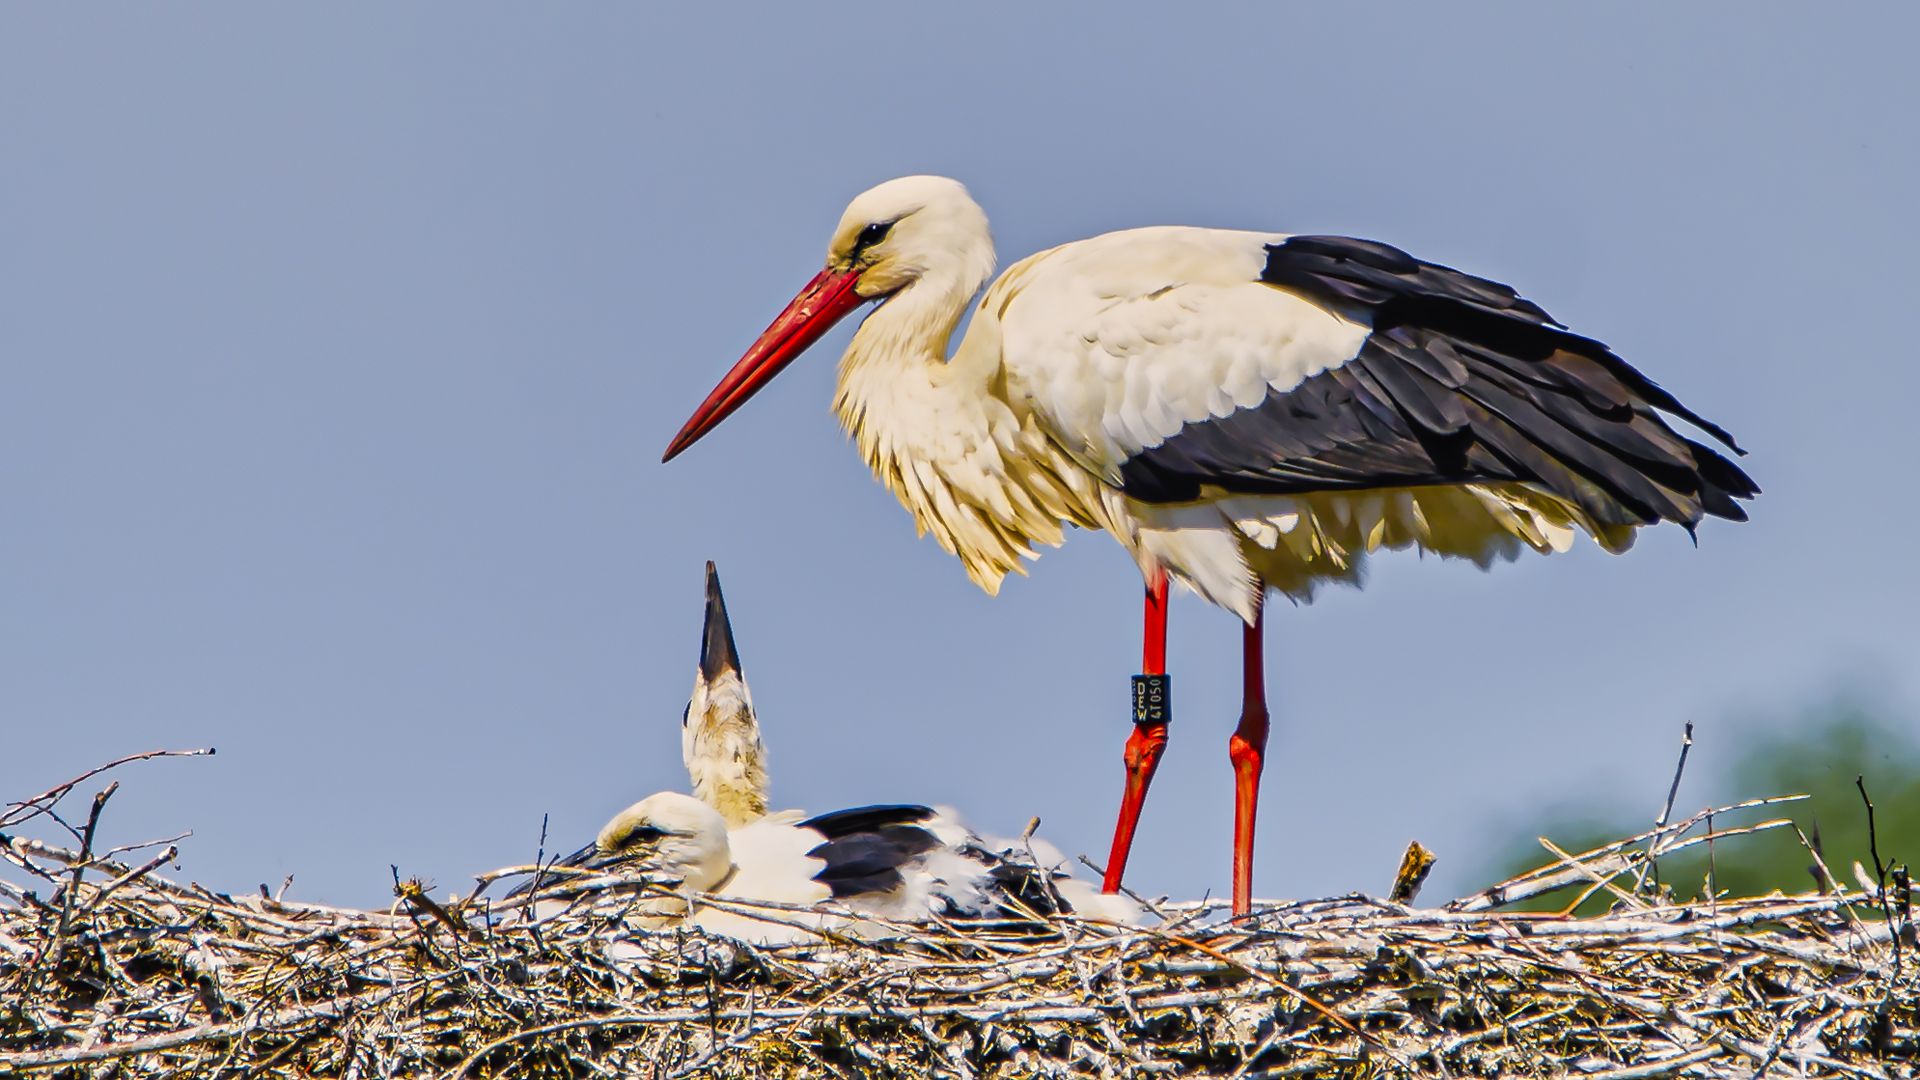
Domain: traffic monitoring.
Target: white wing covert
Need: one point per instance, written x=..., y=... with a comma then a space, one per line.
x=1118, y=342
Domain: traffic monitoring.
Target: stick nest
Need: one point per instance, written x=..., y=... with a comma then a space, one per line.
x=117, y=971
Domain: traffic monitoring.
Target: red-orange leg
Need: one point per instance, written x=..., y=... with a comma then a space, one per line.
x=1247, y=748
x=1149, y=739
x=1153, y=638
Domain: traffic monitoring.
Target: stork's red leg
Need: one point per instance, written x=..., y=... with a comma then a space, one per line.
x=1248, y=748
x=1152, y=707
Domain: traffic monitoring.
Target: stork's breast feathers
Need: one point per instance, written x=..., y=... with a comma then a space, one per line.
x=987, y=483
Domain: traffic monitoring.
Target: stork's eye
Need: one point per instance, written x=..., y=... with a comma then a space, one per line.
x=645, y=834
x=871, y=235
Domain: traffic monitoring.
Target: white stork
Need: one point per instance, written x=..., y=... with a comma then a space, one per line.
x=898, y=862
x=720, y=739
x=1244, y=411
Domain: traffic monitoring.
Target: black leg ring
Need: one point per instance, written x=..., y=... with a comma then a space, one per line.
x=1152, y=699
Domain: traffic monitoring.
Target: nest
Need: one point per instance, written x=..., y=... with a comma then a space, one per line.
x=118, y=971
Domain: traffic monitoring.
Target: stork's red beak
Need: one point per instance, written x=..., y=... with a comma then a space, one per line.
x=825, y=301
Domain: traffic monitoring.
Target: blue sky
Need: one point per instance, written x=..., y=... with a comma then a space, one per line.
x=338, y=346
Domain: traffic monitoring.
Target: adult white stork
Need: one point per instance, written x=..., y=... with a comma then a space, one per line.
x=1244, y=411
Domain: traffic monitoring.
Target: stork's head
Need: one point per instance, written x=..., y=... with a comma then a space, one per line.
x=719, y=735
x=914, y=230
x=670, y=834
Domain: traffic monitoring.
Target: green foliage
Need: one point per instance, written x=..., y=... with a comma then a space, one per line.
x=1819, y=754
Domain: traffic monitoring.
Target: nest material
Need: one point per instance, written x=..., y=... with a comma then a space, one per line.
x=120, y=972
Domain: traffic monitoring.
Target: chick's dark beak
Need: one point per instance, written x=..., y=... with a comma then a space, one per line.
x=717, y=654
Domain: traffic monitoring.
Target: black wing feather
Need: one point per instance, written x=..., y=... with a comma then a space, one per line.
x=1460, y=380
x=866, y=847
x=1422, y=398
x=870, y=862
x=865, y=819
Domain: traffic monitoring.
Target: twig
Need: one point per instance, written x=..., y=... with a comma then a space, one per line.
x=1881, y=1011
x=1603, y=881
x=39, y=804
x=50, y=960
x=1666, y=813
x=135, y=874
x=110, y=852
x=1547, y=878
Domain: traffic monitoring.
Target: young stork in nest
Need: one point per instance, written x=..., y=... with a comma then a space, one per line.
x=1244, y=411
x=895, y=862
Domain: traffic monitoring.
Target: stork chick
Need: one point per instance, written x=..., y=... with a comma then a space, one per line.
x=719, y=733
x=899, y=863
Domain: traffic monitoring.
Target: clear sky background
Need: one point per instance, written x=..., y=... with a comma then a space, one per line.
x=339, y=344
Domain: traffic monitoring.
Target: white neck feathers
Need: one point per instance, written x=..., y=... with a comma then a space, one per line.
x=974, y=470
x=724, y=754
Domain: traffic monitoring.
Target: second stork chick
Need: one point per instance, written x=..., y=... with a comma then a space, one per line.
x=895, y=861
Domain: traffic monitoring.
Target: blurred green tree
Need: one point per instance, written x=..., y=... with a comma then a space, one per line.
x=1817, y=753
